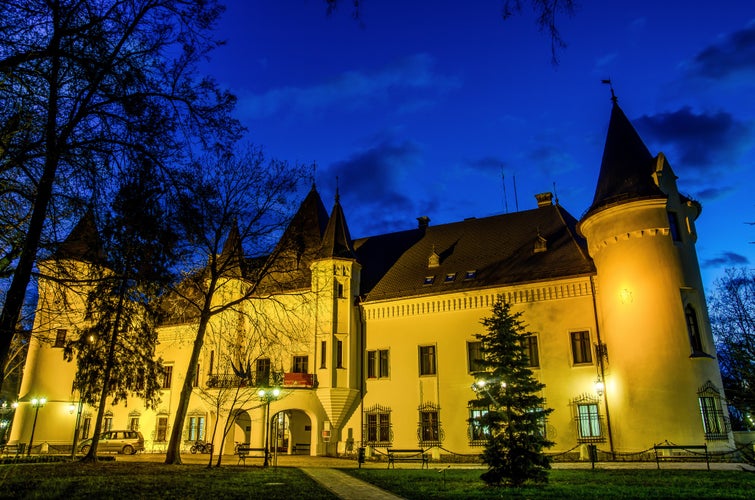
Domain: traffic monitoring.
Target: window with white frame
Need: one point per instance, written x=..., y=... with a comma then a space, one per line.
x=427, y=360
x=429, y=431
x=581, y=347
x=378, y=425
x=474, y=357
x=478, y=431
x=531, y=350
x=378, y=363
x=196, y=428
x=588, y=419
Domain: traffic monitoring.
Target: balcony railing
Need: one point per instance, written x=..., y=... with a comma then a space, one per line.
x=299, y=380
x=230, y=380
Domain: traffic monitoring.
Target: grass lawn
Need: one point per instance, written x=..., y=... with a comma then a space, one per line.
x=150, y=480
x=582, y=484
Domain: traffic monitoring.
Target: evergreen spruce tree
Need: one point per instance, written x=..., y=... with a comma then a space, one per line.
x=511, y=411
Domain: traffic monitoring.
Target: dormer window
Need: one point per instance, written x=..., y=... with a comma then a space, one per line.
x=434, y=259
x=470, y=275
x=450, y=277
x=429, y=280
x=541, y=244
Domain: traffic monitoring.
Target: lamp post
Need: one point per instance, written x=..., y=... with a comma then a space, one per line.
x=36, y=403
x=268, y=395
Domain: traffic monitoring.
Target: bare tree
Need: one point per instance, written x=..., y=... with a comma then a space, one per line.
x=234, y=210
x=732, y=317
x=97, y=83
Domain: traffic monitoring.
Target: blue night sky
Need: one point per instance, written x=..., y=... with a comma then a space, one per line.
x=419, y=107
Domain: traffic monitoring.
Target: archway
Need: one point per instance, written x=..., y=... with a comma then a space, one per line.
x=298, y=432
x=240, y=433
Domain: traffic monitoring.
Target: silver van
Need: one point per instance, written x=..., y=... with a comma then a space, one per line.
x=126, y=442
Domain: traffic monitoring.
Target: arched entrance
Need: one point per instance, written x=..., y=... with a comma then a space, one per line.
x=291, y=430
x=241, y=432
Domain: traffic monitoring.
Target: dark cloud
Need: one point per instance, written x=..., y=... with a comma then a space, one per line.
x=697, y=140
x=373, y=186
x=727, y=259
x=736, y=52
x=487, y=164
x=713, y=193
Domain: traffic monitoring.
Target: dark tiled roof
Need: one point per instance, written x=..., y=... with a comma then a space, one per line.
x=626, y=172
x=499, y=249
x=84, y=242
x=336, y=242
x=288, y=265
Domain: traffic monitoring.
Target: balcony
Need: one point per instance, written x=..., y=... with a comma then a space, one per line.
x=230, y=380
x=299, y=380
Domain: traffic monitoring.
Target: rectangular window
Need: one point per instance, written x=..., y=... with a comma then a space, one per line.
x=196, y=428
x=60, y=338
x=339, y=354
x=477, y=431
x=693, y=330
x=212, y=362
x=323, y=354
x=377, y=363
x=301, y=364
x=339, y=290
x=673, y=223
x=107, y=424
x=195, y=382
x=167, y=376
x=383, y=366
x=85, y=426
x=379, y=427
x=161, y=431
x=588, y=421
x=262, y=371
x=530, y=349
x=712, y=416
x=427, y=360
x=429, y=427
x=581, y=347
x=133, y=423
x=474, y=357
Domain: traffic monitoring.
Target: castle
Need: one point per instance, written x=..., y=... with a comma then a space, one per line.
x=381, y=345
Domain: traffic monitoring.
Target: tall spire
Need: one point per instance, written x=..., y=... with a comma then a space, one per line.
x=336, y=242
x=232, y=255
x=84, y=242
x=626, y=171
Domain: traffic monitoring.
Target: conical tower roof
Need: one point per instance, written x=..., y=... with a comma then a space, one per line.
x=83, y=243
x=232, y=255
x=288, y=266
x=336, y=242
x=626, y=172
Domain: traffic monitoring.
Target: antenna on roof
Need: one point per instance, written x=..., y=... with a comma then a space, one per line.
x=516, y=198
x=505, y=198
x=555, y=194
x=314, y=173
x=614, y=99
x=338, y=195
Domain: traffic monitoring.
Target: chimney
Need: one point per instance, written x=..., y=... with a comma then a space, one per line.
x=423, y=221
x=544, y=199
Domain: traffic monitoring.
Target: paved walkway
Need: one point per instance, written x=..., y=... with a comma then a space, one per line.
x=346, y=486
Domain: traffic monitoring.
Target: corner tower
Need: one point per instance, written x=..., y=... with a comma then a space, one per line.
x=336, y=284
x=660, y=365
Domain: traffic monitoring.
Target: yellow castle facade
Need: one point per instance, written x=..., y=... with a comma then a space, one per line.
x=381, y=352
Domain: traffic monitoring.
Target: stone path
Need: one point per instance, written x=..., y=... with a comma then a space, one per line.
x=346, y=486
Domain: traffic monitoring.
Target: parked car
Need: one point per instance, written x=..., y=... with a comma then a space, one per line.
x=126, y=442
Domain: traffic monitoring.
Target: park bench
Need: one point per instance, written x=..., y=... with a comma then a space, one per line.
x=683, y=453
x=407, y=455
x=14, y=449
x=245, y=452
x=302, y=447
